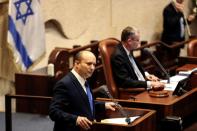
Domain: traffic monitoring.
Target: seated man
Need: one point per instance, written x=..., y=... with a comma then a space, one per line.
x=126, y=70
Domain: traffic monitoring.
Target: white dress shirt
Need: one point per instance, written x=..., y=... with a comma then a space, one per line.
x=80, y=79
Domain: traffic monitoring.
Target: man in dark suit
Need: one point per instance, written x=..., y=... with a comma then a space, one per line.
x=127, y=71
x=174, y=29
x=174, y=22
x=72, y=106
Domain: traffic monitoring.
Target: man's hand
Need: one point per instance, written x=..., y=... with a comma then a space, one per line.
x=191, y=17
x=83, y=122
x=152, y=78
x=179, y=6
x=157, y=86
x=110, y=106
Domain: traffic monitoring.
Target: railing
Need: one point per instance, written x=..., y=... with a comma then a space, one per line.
x=8, y=106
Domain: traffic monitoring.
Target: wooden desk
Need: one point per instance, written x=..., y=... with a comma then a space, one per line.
x=171, y=105
x=182, y=106
x=186, y=67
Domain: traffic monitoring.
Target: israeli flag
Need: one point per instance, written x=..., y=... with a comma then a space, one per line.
x=26, y=34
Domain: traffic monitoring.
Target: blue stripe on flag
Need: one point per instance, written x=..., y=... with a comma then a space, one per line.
x=19, y=44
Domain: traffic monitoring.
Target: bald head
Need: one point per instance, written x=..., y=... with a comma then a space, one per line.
x=84, y=64
x=82, y=54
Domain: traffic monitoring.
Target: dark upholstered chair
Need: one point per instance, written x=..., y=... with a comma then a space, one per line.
x=192, y=48
x=106, y=47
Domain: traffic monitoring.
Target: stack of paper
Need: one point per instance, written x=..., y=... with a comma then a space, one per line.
x=174, y=80
x=170, y=86
x=177, y=78
x=188, y=72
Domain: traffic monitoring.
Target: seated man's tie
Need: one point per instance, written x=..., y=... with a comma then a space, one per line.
x=136, y=69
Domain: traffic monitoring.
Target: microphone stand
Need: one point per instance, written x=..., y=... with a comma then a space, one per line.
x=119, y=107
x=158, y=63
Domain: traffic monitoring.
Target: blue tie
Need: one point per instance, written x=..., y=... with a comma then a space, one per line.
x=89, y=94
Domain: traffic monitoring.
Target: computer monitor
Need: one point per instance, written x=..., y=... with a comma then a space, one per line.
x=181, y=87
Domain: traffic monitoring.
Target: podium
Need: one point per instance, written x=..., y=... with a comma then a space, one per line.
x=146, y=121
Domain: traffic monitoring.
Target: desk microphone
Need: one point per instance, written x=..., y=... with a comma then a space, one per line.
x=119, y=107
x=158, y=63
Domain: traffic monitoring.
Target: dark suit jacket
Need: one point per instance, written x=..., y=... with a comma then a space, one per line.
x=171, y=25
x=123, y=71
x=70, y=101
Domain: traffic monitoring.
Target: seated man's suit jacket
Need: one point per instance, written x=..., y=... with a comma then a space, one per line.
x=123, y=71
x=70, y=101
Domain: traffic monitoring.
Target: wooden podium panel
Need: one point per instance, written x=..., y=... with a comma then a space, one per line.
x=34, y=84
x=146, y=121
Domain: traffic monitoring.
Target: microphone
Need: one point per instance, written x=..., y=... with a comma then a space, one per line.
x=119, y=107
x=105, y=89
x=157, y=62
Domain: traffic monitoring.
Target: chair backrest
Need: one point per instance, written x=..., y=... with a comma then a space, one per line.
x=106, y=47
x=62, y=58
x=192, y=48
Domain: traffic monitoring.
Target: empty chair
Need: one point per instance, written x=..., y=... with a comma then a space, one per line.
x=192, y=48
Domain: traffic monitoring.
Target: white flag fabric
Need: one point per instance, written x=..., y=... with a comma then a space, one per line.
x=26, y=34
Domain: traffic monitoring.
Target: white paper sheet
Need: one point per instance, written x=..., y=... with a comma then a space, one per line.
x=173, y=82
x=188, y=72
x=177, y=78
x=119, y=120
x=170, y=86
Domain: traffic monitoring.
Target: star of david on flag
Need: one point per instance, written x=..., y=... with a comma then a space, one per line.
x=26, y=34
x=28, y=10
